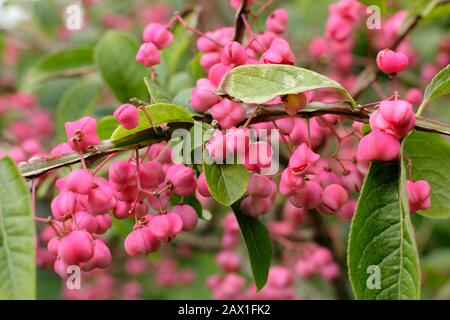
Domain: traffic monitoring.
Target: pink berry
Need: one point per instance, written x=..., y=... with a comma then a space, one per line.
x=392, y=62
x=127, y=115
x=302, y=159
x=209, y=59
x=53, y=246
x=148, y=55
x=414, y=96
x=101, y=198
x=158, y=34
x=394, y=117
x=104, y=222
x=182, y=179
x=308, y=196
x=151, y=174
x=79, y=181
x=122, y=173
x=255, y=206
x=348, y=210
x=202, y=186
x=234, y=54
x=60, y=268
x=76, y=247
x=259, y=156
x=277, y=21
x=334, y=197
x=203, y=97
x=418, y=195
x=82, y=133
x=378, y=146
x=279, y=52
x=217, y=72
x=63, y=205
x=188, y=214
x=290, y=182
x=228, y=113
x=260, y=186
x=141, y=242
x=165, y=227
x=86, y=221
x=100, y=259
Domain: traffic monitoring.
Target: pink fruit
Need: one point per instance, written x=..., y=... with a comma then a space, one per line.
x=76, y=247
x=127, y=115
x=141, y=242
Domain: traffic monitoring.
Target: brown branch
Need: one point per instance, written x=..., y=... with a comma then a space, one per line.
x=239, y=26
x=36, y=167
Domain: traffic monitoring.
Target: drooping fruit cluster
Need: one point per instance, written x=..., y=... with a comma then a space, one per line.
x=139, y=189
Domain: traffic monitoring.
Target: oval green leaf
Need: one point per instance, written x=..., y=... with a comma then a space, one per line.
x=227, y=182
x=259, y=246
x=159, y=113
x=106, y=127
x=17, y=236
x=115, y=56
x=258, y=84
x=439, y=86
x=156, y=92
x=381, y=243
x=64, y=63
x=430, y=156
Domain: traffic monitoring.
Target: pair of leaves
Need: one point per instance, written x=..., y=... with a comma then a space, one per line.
x=382, y=255
x=258, y=84
x=17, y=236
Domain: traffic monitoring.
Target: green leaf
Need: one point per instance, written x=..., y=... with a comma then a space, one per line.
x=430, y=156
x=194, y=68
x=227, y=182
x=439, y=86
x=106, y=126
x=78, y=101
x=46, y=15
x=259, y=246
x=380, y=3
x=156, y=92
x=17, y=236
x=259, y=84
x=159, y=113
x=115, y=56
x=64, y=63
x=381, y=237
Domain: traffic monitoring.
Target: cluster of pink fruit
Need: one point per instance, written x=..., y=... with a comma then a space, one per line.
x=135, y=187
x=27, y=124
